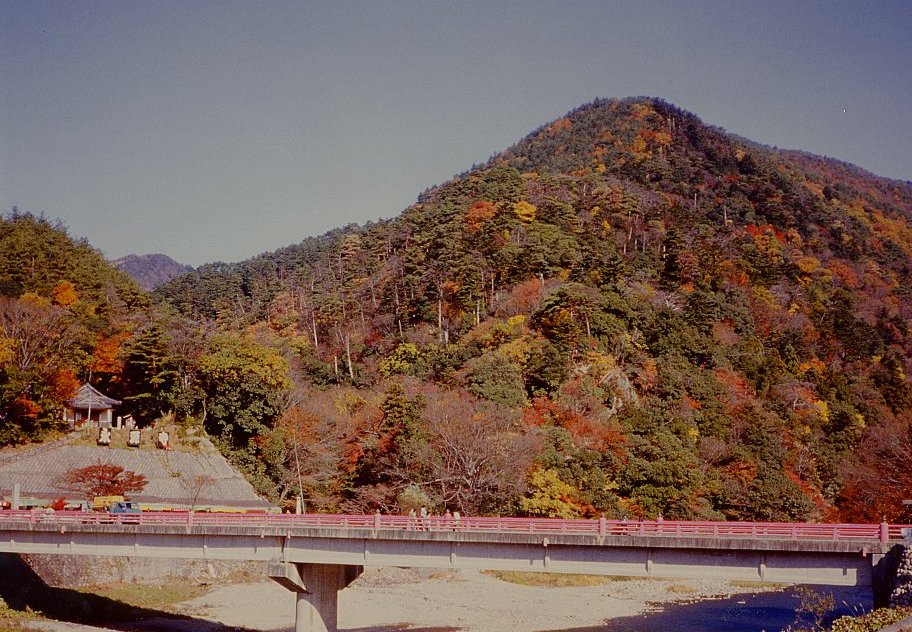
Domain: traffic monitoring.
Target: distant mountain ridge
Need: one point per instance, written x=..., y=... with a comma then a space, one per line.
x=151, y=271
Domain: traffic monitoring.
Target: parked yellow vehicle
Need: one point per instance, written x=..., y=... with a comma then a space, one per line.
x=104, y=503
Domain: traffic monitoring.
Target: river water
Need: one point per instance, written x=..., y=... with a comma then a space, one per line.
x=760, y=612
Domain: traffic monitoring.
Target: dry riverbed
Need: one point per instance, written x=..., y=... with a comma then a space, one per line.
x=391, y=599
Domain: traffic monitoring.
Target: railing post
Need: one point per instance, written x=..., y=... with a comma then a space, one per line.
x=884, y=531
x=603, y=525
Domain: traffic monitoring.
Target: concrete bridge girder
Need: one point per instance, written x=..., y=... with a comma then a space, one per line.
x=775, y=561
x=317, y=563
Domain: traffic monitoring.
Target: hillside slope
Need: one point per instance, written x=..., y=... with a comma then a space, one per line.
x=677, y=320
x=176, y=478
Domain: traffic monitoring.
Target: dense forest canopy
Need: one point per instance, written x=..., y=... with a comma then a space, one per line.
x=629, y=312
x=60, y=304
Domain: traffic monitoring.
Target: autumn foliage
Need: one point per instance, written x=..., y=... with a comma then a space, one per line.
x=628, y=312
x=478, y=214
x=102, y=479
x=681, y=322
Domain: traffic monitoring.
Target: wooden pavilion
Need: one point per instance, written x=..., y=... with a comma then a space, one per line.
x=90, y=406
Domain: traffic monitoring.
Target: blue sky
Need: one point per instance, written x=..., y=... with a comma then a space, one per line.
x=219, y=130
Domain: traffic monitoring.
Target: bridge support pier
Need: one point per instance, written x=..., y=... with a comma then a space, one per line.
x=316, y=588
x=885, y=567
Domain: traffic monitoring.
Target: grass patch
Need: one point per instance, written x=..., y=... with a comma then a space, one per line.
x=14, y=620
x=160, y=597
x=8, y=615
x=681, y=589
x=550, y=580
x=755, y=583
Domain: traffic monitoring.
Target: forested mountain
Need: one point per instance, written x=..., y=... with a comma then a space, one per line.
x=629, y=312
x=650, y=315
x=63, y=311
x=150, y=271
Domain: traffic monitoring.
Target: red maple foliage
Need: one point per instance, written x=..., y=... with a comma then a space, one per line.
x=102, y=479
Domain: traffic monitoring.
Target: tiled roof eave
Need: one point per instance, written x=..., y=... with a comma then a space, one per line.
x=90, y=397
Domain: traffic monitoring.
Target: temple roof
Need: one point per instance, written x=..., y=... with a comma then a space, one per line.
x=89, y=397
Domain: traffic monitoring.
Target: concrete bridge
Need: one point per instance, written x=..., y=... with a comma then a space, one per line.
x=317, y=555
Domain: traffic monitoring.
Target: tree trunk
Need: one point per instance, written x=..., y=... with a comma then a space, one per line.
x=440, y=317
x=348, y=356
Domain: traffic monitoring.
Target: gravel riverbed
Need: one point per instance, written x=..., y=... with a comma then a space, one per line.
x=393, y=599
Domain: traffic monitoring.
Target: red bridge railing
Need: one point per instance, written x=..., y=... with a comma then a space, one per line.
x=544, y=526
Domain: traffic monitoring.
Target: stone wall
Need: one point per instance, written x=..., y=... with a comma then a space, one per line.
x=902, y=583
x=71, y=571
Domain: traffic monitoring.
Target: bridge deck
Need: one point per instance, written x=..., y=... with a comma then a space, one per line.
x=476, y=524
x=828, y=554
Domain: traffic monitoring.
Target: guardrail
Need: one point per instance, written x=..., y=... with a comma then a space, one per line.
x=757, y=530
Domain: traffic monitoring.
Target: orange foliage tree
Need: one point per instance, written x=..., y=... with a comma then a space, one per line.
x=65, y=294
x=881, y=477
x=102, y=479
x=105, y=356
x=478, y=214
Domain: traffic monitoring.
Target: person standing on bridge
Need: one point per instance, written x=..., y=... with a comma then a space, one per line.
x=424, y=518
